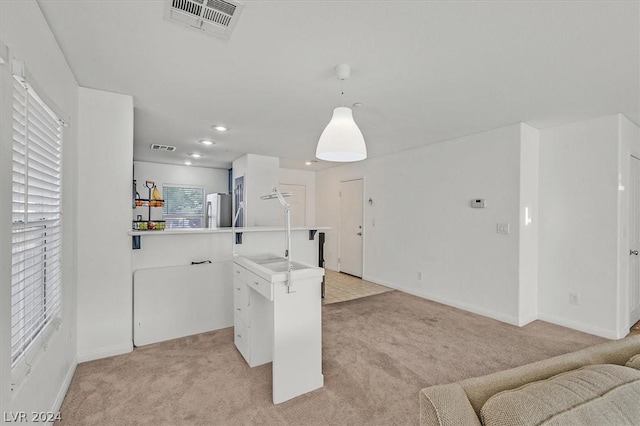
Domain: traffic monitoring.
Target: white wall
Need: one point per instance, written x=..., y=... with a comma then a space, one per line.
x=529, y=222
x=261, y=175
x=161, y=249
x=105, y=168
x=578, y=250
x=421, y=220
x=213, y=180
x=308, y=180
x=24, y=30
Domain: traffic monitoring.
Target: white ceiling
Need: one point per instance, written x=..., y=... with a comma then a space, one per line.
x=425, y=71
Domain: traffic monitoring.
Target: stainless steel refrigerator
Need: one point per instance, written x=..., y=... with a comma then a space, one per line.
x=218, y=210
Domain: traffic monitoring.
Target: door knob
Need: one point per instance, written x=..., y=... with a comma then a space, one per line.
x=634, y=252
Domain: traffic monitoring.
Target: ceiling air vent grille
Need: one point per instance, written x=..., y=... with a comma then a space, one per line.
x=217, y=17
x=157, y=147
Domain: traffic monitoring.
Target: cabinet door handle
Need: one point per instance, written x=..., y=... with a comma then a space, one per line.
x=239, y=335
x=238, y=309
x=238, y=288
x=256, y=283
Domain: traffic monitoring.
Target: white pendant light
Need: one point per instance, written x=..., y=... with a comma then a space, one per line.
x=342, y=140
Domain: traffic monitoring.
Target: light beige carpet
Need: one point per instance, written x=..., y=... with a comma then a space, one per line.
x=378, y=352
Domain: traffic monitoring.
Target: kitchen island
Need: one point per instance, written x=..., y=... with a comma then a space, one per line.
x=278, y=319
x=174, y=298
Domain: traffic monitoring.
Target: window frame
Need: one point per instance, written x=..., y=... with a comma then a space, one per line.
x=44, y=149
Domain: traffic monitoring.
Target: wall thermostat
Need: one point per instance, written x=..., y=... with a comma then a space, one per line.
x=478, y=203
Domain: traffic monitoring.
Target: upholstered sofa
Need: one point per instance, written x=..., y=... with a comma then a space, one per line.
x=599, y=385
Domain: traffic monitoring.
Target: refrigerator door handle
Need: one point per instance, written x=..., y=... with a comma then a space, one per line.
x=207, y=219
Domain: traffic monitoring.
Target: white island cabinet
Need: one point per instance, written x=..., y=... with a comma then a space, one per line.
x=280, y=323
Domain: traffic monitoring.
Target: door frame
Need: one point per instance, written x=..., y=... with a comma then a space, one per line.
x=364, y=234
x=633, y=156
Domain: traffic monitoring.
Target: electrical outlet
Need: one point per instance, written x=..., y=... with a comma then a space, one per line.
x=419, y=276
x=502, y=228
x=574, y=299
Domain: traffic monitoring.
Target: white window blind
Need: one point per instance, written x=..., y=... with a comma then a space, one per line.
x=183, y=206
x=36, y=200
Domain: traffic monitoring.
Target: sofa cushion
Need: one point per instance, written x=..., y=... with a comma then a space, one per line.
x=446, y=405
x=597, y=394
x=634, y=362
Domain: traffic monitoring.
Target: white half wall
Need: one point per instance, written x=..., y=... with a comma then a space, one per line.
x=420, y=220
x=25, y=31
x=579, y=219
x=105, y=163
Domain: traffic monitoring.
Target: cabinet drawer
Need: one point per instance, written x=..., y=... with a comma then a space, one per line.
x=239, y=272
x=260, y=285
x=241, y=300
x=241, y=338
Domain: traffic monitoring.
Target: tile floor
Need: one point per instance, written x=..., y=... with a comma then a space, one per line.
x=341, y=287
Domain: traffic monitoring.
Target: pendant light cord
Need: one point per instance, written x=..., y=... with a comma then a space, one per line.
x=342, y=90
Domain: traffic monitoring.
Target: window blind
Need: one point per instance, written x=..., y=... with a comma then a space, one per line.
x=36, y=201
x=183, y=206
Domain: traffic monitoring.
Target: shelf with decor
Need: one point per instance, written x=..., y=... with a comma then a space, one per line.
x=153, y=201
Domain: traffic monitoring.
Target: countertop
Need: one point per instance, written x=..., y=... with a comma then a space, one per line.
x=187, y=231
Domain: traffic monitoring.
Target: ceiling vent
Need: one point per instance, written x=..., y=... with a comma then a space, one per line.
x=157, y=147
x=216, y=17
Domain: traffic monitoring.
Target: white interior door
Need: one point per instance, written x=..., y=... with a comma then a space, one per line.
x=634, y=237
x=351, y=220
x=298, y=203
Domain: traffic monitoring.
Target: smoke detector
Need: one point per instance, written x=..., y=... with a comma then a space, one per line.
x=157, y=147
x=215, y=17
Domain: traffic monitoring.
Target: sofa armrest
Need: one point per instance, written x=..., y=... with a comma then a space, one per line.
x=446, y=405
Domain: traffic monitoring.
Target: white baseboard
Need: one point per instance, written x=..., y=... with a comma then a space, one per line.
x=426, y=295
x=578, y=326
x=527, y=320
x=105, y=352
x=585, y=328
x=64, y=387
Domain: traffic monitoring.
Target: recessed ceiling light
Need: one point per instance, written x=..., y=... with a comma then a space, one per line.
x=219, y=128
x=357, y=104
x=187, y=163
x=196, y=155
x=206, y=142
x=308, y=163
